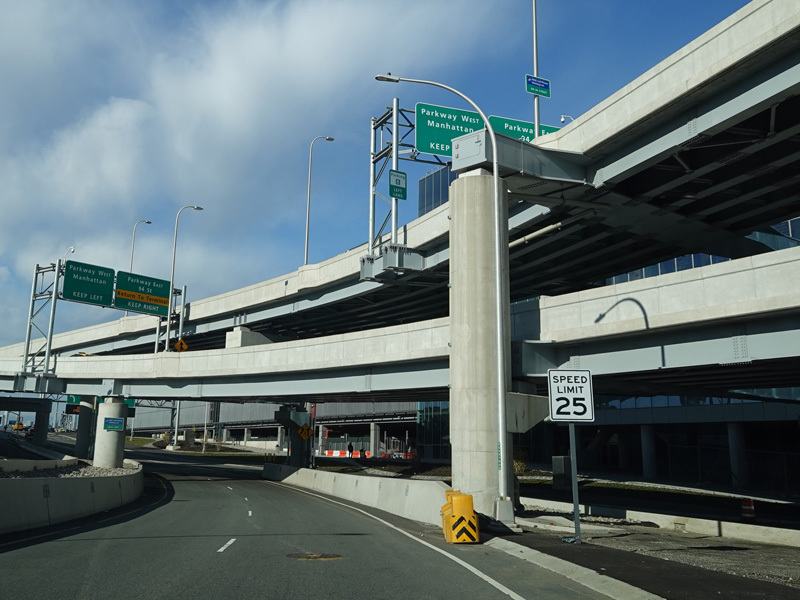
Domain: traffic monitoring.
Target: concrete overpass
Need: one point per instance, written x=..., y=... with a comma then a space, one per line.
x=699, y=154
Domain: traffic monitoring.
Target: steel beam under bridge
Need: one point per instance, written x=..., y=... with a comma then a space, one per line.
x=713, y=358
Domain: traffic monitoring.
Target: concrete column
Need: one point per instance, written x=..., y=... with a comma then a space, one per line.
x=473, y=334
x=226, y=435
x=247, y=433
x=624, y=450
x=109, y=447
x=321, y=444
x=649, y=461
x=40, y=426
x=374, y=439
x=281, y=438
x=83, y=437
x=739, y=475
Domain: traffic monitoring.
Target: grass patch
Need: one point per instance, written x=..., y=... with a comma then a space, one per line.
x=138, y=441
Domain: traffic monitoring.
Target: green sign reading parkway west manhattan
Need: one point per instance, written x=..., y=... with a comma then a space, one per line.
x=436, y=126
x=88, y=283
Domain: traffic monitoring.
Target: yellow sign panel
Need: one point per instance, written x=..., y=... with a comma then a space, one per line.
x=305, y=432
x=138, y=297
x=181, y=345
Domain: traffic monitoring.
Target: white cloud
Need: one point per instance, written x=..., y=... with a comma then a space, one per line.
x=116, y=112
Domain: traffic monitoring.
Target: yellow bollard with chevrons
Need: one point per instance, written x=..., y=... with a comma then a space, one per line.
x=459, y=521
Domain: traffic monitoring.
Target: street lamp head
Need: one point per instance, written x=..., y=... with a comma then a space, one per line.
x=197, y=207
x=148, y=222
x=565, y=117
x=328, y=139
x=388, y=77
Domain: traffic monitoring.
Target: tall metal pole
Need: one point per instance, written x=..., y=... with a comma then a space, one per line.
x=395, y=147
x=500, y=341
x=370, y=239
x=53, y=299
x=133, y=243
x=171, y=303
x=535, y=74
x=308, y=200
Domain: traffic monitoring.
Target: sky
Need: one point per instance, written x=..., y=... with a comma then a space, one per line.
x=115, y=112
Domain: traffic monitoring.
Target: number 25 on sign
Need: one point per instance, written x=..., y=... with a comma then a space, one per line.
x=570, y=393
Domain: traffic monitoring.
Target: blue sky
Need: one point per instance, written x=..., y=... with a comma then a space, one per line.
x=112, y=112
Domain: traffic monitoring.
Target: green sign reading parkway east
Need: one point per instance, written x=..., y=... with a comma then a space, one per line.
x=88, y=283
x=436, y=126
x=142, y=294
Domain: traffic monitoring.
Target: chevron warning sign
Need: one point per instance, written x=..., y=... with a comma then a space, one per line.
x=465, y=529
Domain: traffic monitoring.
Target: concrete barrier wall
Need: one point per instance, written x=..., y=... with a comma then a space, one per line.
x=38, y=501
x=411, y=499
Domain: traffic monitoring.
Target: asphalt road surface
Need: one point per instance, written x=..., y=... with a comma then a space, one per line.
x=207, y=529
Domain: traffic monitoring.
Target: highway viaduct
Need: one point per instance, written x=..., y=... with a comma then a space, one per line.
x=698, y=155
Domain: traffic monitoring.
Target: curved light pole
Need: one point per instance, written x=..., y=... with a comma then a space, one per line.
x=308, y=200
x=172, y=273
x=133, y=243
x=498, y=285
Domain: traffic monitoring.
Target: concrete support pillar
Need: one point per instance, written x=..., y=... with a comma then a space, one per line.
x=649, y=461
x=40, y=426
x=247, y=433
x=624, y=451
x=83, y=438
x=473, y=334
x=226, y=435
x=109, y=448
x=374, y=439
x=322, y=431
x=736, y=448
x=281, y=438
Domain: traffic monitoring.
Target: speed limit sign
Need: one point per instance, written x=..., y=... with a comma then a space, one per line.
x=570, y=395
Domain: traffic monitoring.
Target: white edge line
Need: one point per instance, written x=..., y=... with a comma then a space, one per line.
x=467, y=566
x=226, y=545
x=249, y=513
x=608, y=586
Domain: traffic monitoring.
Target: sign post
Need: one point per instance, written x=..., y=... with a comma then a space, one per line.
x=571, y=400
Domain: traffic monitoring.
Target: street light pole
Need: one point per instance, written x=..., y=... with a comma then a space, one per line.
x=172, y=273
x=308, y=200
x=500, y=340
x=133, y=243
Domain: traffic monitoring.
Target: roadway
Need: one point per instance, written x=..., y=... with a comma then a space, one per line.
x=208, y=528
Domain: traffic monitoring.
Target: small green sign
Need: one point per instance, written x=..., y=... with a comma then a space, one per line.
x=142, y=294
x=537, y=85
x=73, y=399
x=114, y=424
x=88, y=283
x=397, y=184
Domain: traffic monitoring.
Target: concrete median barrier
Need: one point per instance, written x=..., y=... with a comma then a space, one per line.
x=32, y=502
x=411, y=499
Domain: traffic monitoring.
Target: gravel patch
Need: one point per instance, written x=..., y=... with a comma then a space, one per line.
x=73, y=471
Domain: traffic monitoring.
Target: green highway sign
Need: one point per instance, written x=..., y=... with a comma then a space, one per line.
x=397, y=184
x=142, y=294
x=521, y=130
x=73, y=399
x=114, y=424
x=436, y=126
x=88, y=283
x=537, y=85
